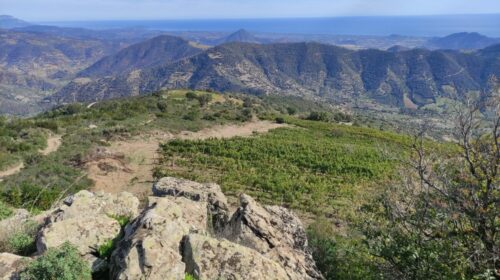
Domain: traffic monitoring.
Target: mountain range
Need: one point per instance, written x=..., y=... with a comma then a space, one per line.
x=42, y=66
x=407, y=78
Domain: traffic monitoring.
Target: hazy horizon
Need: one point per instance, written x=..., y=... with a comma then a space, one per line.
x=98, y=10
x=422, y=26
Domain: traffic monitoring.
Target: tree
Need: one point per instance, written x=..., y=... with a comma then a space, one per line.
x=442, y=221
x=204, y=99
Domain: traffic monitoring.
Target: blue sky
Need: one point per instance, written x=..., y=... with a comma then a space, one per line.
x=52, y=10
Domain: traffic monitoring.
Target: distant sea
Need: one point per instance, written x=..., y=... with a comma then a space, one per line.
x=380, y=26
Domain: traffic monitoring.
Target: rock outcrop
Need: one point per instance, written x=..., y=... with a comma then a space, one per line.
x=89, y=221
x=209, y=258
x=274, y=232
x=184, y=229
x=9, y=266
x=150, y=248
x=210, y=193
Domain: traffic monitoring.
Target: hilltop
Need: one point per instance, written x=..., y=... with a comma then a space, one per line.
x=148, y=54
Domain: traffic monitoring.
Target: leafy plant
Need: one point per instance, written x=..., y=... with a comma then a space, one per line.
x=121, y=219
x=106, y=249
x=64, y=263
x=5, y=211
x=22, y=241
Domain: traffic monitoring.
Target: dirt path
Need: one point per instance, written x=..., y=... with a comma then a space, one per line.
x=53, y=143
x=11, y=171
x=230, y=131
x=134, y=173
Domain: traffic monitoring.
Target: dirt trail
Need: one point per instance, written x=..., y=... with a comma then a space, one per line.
x=134, y=174
x=53, y=143
x=230, y=131
x=11, y=171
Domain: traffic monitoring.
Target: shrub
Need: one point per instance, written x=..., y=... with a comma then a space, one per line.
x=106, y=249
x=22, y=241
x=318, y=116
x=5, y=211
x=191, y=95
x=192, y=116
x=338, y=257
x=189, y=277
x=122, y=220
x=22, y=244
x=291, y=110
x=63, y=263
x=204, y=99
x=35, y=197
x=162, y=105
x=280, y=120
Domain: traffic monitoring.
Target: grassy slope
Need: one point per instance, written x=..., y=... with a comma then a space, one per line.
x=312, y=166
x=45, y=177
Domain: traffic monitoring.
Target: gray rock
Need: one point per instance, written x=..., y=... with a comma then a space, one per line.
x=150, y=248
x=209, y=258
x=210, y=193
x=274, y=232
x=92, y=204
x=10, y=265
x=86, y=233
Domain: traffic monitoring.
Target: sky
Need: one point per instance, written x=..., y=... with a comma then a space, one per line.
x=74, y=10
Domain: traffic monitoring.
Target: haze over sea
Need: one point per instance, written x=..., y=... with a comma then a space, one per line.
x=439, y=25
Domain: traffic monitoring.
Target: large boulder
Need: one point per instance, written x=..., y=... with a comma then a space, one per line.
x=88, y=221
x=210, y=193
x=123, y=204
x=150, y=248
x=10, y=265
x=276, y=233
x=209, y=258
x=87, y=234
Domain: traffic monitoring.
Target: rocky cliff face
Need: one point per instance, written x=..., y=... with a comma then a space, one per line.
x=185, y=227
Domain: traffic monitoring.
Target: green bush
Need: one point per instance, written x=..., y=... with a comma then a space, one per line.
x=32, y=196
x=318, y=116
x=122, y=220
x=191, y=95
x=22, y=242
x=338, y=257
x=5, y=211
x=63, y=263
x=291, y=110
x=106, y=249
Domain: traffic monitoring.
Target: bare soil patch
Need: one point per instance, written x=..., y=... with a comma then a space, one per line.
x=53, y=143
x=12, y=170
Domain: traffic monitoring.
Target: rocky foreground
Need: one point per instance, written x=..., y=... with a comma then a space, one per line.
x=185, y=228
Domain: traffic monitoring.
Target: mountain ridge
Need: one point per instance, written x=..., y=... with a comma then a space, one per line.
x=150, y=53
x=306, y=69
